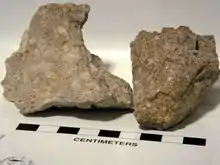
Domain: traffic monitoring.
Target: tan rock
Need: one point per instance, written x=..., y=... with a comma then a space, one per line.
x=54, y=68
x=172, y=71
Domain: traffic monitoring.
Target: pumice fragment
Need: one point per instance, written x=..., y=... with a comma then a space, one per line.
x=54, y=68
x=172, y=72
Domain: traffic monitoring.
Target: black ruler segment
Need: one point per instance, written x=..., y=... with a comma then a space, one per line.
x=27, y=127
x=151, y=137
x=68, y=130
x=194, y=141
x=108, y=133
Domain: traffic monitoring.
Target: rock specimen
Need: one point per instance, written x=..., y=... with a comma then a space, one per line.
x=172, y=71
x=54, y=68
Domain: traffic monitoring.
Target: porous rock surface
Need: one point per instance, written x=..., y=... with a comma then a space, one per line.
x=54, y=68
x=172, y=72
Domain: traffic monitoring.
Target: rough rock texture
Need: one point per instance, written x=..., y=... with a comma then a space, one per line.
x=54, y=68
x=172, y=71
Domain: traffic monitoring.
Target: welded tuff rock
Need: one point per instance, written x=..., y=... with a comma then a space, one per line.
x=54, y=68
x=172, y=71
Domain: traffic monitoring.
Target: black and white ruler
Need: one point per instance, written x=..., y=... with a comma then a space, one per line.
x=116, y=134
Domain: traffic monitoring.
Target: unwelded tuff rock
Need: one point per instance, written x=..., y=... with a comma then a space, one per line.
x=172, y=71
x=54, y=68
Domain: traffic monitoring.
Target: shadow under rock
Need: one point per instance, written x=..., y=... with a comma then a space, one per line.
x=109, y=66
x=99, y=114
x=209, y=104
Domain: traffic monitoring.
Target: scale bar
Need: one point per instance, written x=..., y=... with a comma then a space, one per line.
x=113, y=134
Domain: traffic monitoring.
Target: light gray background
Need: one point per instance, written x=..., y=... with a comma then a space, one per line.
x=113, y=24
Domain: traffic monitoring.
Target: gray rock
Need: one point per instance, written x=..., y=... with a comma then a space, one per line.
x=54, y=68
x=172, y=71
